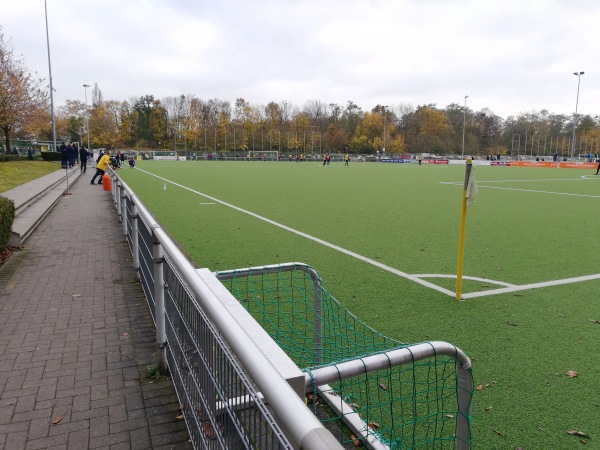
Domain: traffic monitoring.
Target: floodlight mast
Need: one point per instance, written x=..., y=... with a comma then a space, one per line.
x=87, y=116
x=384, y=125
x=50, y=76
x=464, y=120
x=578, y=74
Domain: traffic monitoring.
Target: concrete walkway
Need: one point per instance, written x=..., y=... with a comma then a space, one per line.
x=76, y=338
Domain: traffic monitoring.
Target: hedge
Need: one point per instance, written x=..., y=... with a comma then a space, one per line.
x=7, y=217
x=51, y=156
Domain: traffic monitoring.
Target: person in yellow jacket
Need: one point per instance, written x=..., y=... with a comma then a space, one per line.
x=101, y=167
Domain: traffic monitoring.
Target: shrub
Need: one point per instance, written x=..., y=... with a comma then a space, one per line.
x=7, y=217
x=51, y=156
x=12, y=157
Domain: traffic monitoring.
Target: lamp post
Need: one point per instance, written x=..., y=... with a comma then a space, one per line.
x=384, y=125
x=464, y=121
x=575, y=117
x=50, y=76
x=87, y=116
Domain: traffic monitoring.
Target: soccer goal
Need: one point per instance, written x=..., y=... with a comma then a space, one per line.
x=266, y=155
x=390, y=394
x=162, y=155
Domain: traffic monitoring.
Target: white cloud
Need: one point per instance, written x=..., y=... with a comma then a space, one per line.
x=509, y=56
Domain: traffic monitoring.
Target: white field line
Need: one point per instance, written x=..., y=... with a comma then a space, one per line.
x=525, y=287
x=480, y=185
x=315, y=239
x=583, y=177
x=465, y=277
x=414, y=278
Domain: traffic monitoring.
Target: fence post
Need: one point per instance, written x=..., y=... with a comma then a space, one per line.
x=135, y=246
x=159, y=304
x=124, y=211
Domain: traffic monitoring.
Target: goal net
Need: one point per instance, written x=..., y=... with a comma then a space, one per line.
x=418, y=404
x=267, y=155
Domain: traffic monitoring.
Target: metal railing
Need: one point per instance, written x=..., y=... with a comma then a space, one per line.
x=223, y=380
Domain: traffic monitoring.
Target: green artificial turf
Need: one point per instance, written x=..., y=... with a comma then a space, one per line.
x=404, y=216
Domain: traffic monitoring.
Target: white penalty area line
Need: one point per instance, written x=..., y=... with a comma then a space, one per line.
x=415, y=278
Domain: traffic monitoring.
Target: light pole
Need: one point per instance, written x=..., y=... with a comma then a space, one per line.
x=50, y=76
x=87, y=116
x=384, y=125
x=576, y=105
x=464, y=121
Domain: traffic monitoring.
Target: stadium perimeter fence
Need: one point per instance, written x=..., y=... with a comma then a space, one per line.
x=266, y=358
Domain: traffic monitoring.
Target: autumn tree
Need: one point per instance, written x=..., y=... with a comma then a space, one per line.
x=22, y=94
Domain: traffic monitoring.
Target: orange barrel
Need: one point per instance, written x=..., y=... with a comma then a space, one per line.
x=106, y=182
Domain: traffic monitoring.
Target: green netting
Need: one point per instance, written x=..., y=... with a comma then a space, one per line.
x=410, y=406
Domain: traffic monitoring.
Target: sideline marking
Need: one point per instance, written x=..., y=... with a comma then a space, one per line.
x=525, y=287
x=415, y=278
x=479, y=185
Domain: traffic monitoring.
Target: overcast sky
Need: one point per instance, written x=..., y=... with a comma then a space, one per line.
x=510, y=56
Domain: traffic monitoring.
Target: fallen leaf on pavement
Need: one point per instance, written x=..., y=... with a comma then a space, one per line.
x=57, y=419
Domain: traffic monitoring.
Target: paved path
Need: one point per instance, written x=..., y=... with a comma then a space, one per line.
x=76, y=338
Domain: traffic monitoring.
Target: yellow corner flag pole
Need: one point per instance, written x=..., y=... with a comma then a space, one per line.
x=463, y=223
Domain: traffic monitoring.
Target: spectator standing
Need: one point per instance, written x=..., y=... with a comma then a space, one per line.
x=71, y=154
x=64, y=159
x=30, y=153
x=83, y=157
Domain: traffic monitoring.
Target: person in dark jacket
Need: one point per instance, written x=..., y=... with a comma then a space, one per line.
x=64, y=159
x=71, y=154
x=83, y=157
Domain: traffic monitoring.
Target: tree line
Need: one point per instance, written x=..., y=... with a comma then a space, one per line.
x=189, y=123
